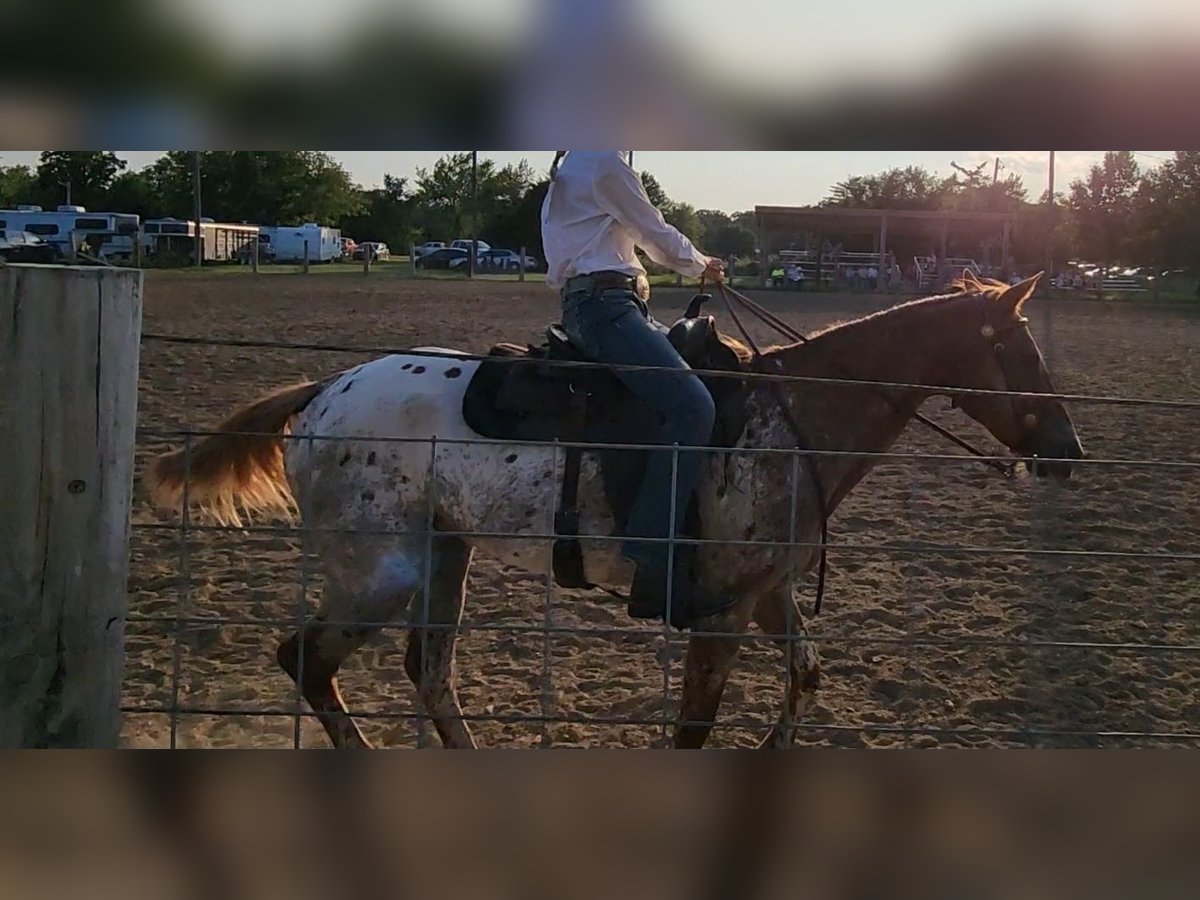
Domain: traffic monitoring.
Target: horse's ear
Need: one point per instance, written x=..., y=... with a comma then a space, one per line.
x=1015, y=296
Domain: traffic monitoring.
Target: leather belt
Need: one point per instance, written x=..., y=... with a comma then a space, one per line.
x=595, y=282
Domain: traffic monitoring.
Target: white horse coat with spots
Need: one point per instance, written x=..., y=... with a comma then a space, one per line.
x=370, y=502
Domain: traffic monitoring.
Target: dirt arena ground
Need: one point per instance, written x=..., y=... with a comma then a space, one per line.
x=944, y=643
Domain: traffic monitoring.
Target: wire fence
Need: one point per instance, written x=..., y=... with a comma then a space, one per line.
x=791, y=639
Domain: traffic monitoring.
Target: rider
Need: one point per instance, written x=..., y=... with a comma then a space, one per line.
x=596, y=211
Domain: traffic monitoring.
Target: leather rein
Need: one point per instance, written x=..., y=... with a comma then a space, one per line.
x=728, y=296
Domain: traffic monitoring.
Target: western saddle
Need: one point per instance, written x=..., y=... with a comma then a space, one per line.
x=529, y=394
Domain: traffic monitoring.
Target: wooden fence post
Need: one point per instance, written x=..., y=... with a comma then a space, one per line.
x=254, y=255
x=306, y=256
x=68, y=414
x=521, y=266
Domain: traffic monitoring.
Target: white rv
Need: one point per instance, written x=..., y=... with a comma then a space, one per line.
x=288, y=241
x=112, y=235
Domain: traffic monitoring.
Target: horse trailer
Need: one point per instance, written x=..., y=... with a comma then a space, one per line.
x=173, y=241
x=288, y=242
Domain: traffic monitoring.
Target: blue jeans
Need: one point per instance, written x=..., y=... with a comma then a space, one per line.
x=614, y=327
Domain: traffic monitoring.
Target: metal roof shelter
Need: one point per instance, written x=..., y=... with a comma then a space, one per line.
x=828, y=221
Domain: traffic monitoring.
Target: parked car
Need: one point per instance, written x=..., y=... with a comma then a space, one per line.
x=377, y=250
x=480, y=246
x=428, y=247
x=26, y=247
x=442, y=259
x=498, y=261
x=266, y=251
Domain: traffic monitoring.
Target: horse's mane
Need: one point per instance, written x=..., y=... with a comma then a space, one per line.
x=744, y=353
x=990, y=288
x=967, y=285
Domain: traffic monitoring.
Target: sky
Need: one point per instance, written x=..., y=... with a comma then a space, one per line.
x=734, y=180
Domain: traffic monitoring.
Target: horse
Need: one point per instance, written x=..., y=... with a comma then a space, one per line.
x=396, y=523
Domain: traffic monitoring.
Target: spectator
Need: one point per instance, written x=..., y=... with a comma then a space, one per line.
x=795, y=277
x=872, y=277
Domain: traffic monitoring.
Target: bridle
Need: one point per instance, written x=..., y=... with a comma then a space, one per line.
x=988, y=331
x=995, y=336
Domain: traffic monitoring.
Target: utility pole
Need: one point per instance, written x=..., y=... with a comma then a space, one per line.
x=1050, y=220
x=996, y=172
x=474, y=213
x=199, y=249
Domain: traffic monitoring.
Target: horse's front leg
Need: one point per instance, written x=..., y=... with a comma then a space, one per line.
x=710, y=658
x=777, y=614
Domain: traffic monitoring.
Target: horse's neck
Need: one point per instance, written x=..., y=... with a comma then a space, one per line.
x=896, y=348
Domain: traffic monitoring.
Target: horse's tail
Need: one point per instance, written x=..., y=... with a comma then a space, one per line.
x=240, y=468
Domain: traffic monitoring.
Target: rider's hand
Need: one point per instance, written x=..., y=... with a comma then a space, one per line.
x=715, y=270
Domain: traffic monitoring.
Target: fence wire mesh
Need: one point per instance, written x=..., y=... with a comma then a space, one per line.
x=1036, y=648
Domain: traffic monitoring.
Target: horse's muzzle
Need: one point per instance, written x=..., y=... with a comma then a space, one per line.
x=1052, y=462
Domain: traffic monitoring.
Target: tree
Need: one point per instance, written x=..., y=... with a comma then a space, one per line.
x=444, y=195
x=18, y=185
x=270, y=187
x=683, y=217
x=1101, y=209
x=136, y=192
x=911, y=187
x=655, y=192
x=387, y=214
x=982, y=194
x=1166, y=224
x=726, y=235
x=445, y=206
x=84, y=176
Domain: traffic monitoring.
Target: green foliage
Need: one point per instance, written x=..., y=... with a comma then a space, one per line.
x=1101, y=209
x=386, y=214
x=1166, y=214
x=447, y=208
x=89, y=175
x=911, y=187
x=655, y=192
x=724, y=235
x=18, y=185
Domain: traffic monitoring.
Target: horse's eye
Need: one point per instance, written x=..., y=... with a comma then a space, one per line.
x=999, y=348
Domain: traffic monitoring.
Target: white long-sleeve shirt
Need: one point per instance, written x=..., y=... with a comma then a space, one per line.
x=596, y=212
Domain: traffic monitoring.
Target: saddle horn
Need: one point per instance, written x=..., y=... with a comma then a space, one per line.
x=693, y=310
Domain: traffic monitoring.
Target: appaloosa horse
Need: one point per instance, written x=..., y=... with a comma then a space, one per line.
x=406, y=495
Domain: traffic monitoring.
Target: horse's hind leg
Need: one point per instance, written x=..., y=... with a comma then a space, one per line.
x=778, y=614
x=429, y=659
x=709, y=661
x=325, y=647
x=344, y=622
